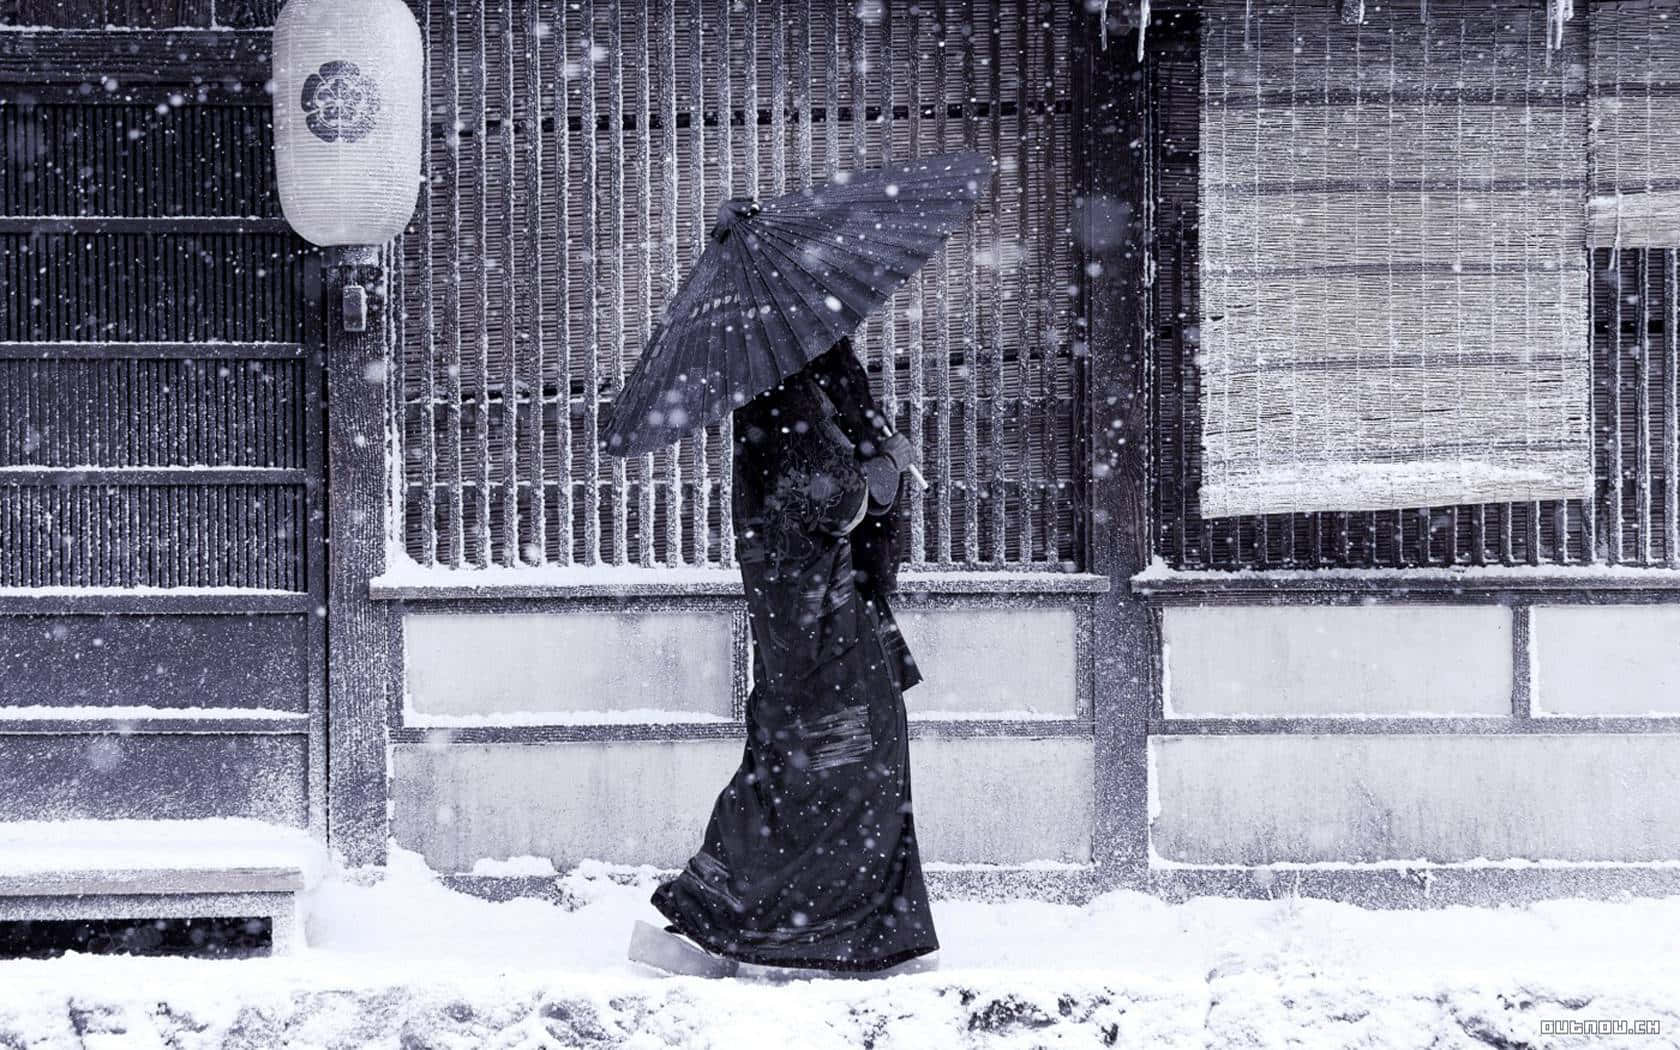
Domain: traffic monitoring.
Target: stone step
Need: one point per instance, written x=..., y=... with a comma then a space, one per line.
x=137, y=869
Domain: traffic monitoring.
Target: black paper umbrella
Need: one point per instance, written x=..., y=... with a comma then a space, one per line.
x=783, y=280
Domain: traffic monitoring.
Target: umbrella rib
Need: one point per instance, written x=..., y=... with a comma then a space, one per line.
x=943, y=222
x=931, y=237
x=744, y=354
x=796, y=275
x=741, y=281
x=820, y=279
x=924, y=244
x=662, y=374
x=801, y=353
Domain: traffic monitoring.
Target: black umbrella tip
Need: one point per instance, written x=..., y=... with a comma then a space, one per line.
x=731, y=212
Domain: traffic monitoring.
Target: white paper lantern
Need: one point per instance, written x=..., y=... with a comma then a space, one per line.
x=348, y=105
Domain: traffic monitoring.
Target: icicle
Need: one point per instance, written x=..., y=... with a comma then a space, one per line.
x=1423, y=11
x=1143, y=26
x=1102, y=20
x=1353, y=12
x=1557, y=13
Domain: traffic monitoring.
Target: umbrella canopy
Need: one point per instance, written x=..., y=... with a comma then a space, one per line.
x=783, y=280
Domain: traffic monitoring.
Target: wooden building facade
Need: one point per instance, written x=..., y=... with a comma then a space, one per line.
x=384, y=584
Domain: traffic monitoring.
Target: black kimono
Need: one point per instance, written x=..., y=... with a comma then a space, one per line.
x=810, y=855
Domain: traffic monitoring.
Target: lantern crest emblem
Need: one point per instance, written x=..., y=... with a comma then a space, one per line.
x=340, y=102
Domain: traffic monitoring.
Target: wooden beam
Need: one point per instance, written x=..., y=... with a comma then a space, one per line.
x=358, y=669
x=171, y=56
x=1111, y=158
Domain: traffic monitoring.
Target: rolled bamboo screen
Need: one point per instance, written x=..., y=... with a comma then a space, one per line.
x=1393, y=277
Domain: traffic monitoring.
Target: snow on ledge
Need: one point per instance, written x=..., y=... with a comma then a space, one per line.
x=1161, y=576
x=627, y=716
x=142, y=591
x=408, y=579
x=141, y=713
x=34, y=847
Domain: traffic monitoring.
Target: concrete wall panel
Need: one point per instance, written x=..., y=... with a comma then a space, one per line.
x=1262, y=799
x=977, y=799
x=1338, y=660
x=991, y=662
x=1606, y=659
x=478, y=665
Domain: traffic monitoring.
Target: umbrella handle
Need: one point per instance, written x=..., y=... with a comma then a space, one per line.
x=921, y=482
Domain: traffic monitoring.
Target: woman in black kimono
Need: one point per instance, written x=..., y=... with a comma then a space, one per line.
x=810, y=856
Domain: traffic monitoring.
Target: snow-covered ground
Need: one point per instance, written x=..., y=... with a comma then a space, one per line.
x=408, y=964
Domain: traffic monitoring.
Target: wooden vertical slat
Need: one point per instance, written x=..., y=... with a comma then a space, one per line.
x=749, y=101
x=1045, y=274
x=944, y=392
x=537, y=219
x=997, y=490
x=452, y=294
x=1671, y=408
x=1181, y=526
x=726, y=428
x=1642, y=403
x=565, y=492
x=396, y=383
x=917, y=304
x=778, y=100
x=804, y=104
x=885, y=71
x=511, y=307
x=586, y=260
x=1025, y=281
x=668, y=189
x=614, y=212
x=858, y=62
x=481, y=283
x=970, y=310
x=697, y=166
x=644, y=248
x=1589, y=508
x=831, y=93
x=1613, y=519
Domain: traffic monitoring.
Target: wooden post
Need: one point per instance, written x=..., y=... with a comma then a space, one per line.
x=1111, y=124
x=357, y=665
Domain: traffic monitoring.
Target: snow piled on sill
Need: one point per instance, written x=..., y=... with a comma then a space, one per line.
x=625, y=717
x=213, y=843
x=1160, y=571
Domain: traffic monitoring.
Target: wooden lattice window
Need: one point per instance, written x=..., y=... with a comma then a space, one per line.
x=154, y=379
x=1628, y=518
x=577, y=155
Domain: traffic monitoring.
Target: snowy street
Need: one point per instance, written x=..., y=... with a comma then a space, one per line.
x=408, y=963
x=501, y=499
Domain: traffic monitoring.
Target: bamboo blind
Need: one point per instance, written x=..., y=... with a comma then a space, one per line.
x=1393, y=283
x=1630, y=517
x=578, y=154
x=1635, y=75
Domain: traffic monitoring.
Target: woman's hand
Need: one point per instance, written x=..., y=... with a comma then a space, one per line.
x=884, y=470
